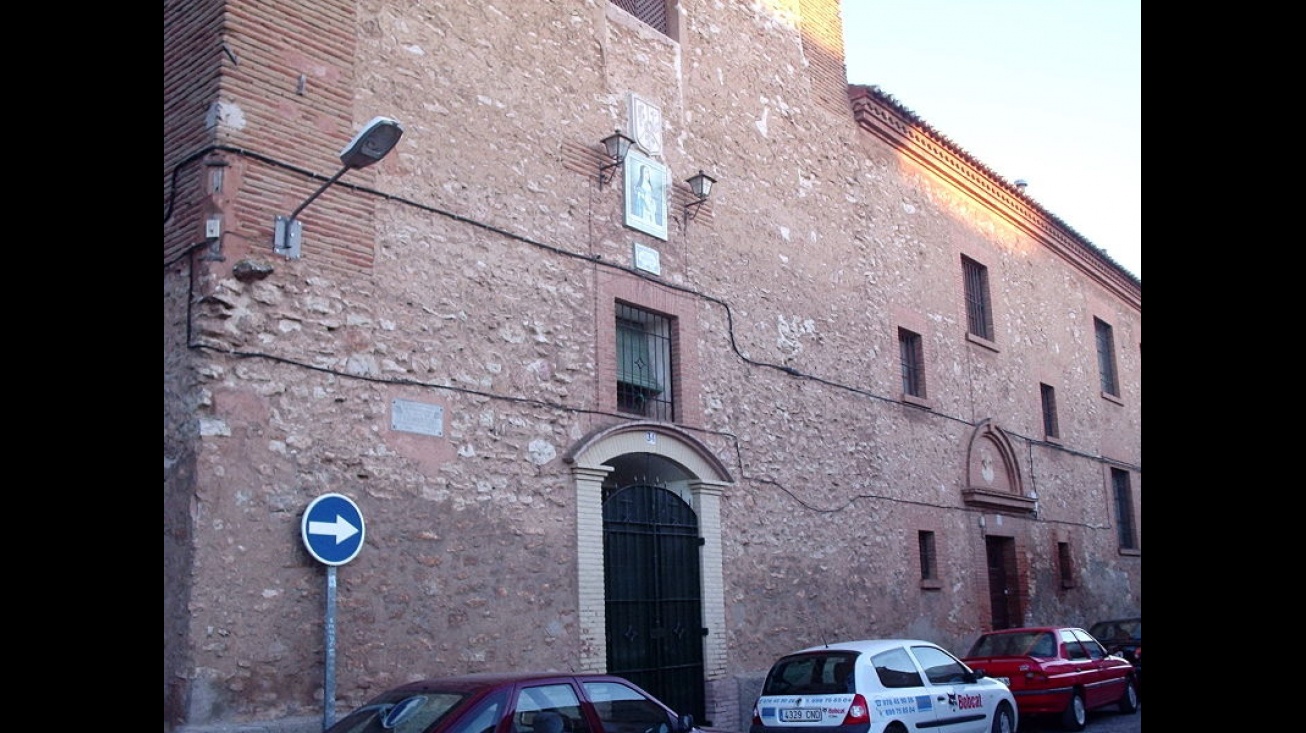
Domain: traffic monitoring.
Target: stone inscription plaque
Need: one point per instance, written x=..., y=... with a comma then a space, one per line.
x=417, y=417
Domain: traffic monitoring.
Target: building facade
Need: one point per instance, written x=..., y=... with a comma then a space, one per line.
x=593, y=421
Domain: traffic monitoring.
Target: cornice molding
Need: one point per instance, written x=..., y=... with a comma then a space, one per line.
x=881, y=115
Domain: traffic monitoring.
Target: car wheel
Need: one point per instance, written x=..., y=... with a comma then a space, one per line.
x=1075, y=716
x=1129, y=700
x=1002, y=722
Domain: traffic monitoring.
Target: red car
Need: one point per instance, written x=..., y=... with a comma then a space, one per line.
x=549, y=702
x=1056, y=671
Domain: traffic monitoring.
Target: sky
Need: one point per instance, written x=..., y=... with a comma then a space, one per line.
x=1048, y=91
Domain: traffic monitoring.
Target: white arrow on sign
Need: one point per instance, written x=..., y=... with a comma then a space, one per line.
x=341, y=528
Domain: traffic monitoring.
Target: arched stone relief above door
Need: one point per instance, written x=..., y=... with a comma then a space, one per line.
x=993, y=479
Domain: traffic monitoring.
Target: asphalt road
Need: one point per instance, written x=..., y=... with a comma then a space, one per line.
x=1107, y=720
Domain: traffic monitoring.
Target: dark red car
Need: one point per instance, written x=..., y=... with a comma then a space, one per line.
x=549, y=702
x=1056, y=671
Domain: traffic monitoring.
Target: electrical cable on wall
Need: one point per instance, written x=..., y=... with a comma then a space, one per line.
x=597, y=260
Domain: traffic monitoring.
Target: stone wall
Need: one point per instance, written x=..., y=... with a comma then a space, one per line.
x=475, y=269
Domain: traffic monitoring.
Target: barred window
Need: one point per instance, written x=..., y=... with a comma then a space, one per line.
x=1049, y=395
x=1124, y=500
x=1106, y=357
x=979, y=309
x=644, y=369
x=912, y=354
x=929, y=561
x=654, y=12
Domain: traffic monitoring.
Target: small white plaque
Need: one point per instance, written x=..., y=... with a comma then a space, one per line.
x=417, y=417
x=648, y=259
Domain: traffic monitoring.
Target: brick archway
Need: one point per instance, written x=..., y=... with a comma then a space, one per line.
x=708, y=479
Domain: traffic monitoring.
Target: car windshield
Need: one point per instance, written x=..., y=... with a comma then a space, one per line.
x=401, y=712
x=1018, y=644
x=811, y=674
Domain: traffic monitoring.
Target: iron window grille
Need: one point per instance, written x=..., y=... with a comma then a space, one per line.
x=1106, y=357
x=929, y=561
x=979, y=309
x=653, y=12
x=912, y=353
x=1049, y=396
x=644, y=369
x=1124, y=499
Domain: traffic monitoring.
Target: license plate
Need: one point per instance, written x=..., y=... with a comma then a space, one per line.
x=802, y=715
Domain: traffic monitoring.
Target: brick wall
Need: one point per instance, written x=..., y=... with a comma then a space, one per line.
x=475, y=269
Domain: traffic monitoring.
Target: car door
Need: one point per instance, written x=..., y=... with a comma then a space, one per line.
x=623, y=709
x=961, y=704
x=902, y=693
x=1107, y=683
x=534, y=701
x=1079, y=669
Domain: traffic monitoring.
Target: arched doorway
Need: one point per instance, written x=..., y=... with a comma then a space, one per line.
x=653, y=594
x=649, y=556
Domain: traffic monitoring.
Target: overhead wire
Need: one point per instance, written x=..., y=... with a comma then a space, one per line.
x=598, y=261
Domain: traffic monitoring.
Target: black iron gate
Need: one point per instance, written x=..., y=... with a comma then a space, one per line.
x=654, y=601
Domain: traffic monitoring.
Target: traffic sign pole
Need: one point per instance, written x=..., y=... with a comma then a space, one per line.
x=333, y=531
x=329, y=681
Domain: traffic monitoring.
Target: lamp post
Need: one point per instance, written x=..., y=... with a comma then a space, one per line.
x=701, y=186
x=617, y=146
x=377, y=138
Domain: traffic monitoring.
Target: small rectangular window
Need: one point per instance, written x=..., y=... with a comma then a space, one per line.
x=644, y=369
x=979, y=309
x=1124, y=501
x=912, y=354
x=929, y=561
x=1064, y=566
x=1049, y=396
x=654, y=12
x=1106, y=357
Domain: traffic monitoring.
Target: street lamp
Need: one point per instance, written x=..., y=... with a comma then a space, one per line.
x=701, y=186
x=372, y=143
x=617, y=146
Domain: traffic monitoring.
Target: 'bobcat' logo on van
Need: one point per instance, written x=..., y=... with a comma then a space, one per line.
x=964, y=702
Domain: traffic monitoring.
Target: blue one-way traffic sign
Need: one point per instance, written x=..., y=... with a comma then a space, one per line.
x=333, y=529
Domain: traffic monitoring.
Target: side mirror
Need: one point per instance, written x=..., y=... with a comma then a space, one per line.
x=685, y=723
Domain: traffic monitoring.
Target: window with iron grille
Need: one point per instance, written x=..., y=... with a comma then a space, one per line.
x=979, y=309
x=1124, y=499
x=1064, y=566
x=929, y=561
x=1049, y=395
x=1106, y=357
x=653, y=12
x=644, y=369
x=912, y=353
